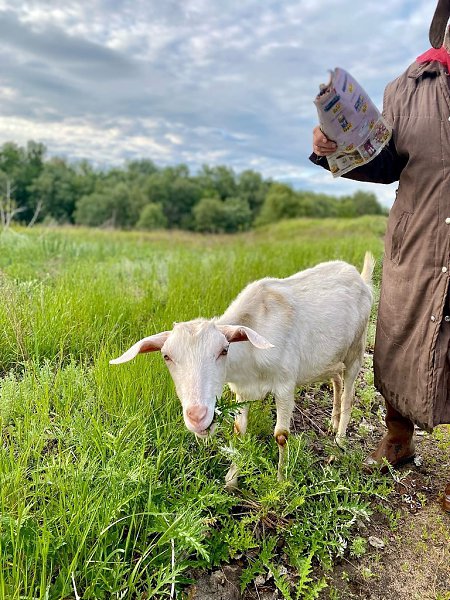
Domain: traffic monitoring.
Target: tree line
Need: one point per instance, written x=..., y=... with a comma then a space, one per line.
x=142, y=195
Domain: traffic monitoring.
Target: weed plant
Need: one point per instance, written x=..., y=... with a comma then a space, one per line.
x=103, y=492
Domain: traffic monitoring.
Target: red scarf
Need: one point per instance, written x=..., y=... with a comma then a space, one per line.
x=440, y=55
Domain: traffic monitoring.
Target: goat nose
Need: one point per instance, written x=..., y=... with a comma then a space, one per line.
x=196, y=413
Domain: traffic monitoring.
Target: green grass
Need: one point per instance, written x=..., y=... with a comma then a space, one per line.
x=103, y=492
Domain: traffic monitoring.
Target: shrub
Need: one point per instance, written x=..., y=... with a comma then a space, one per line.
x=152, y=217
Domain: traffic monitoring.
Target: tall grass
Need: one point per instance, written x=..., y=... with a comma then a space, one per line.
x=103, y=493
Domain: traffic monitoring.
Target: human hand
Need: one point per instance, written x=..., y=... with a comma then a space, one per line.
x=322, y=146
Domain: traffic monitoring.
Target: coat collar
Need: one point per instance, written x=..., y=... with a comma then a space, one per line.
x=418, y=69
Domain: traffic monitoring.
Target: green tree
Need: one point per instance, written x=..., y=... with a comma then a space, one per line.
x=366, y=203
x=213, y=215
x=21, y=166
x=176, y=192
x=237, y=214
x=216, y=199
x=281, y=202
x=56, y=190
x=119, y=207
x=346, y=208
x=94, y=209
x=217, y=181
x=361, y=203
x=138, y=169
x=184, y=193
x=253, y=188
x=209, y=215
x=317, y=206
x=152, y=217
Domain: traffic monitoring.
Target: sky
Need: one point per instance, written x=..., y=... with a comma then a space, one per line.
x=228, y=82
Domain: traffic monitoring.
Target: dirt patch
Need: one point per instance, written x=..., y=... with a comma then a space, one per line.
x=221, y=584
x=415, y=560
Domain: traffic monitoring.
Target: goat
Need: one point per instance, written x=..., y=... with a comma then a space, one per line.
x=306, y=328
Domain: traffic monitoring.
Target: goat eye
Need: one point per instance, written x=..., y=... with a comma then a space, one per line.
x=167, y=357
x=224, y=352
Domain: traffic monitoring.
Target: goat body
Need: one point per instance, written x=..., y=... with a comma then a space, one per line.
x=305, y=328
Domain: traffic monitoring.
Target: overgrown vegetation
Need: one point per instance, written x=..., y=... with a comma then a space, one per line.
x=141, y=195
x=103, y=492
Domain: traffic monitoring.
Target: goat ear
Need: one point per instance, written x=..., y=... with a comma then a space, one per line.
x=148, y=344
x=240, y=333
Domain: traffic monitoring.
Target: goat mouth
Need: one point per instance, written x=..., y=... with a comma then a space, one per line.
x=206, y=432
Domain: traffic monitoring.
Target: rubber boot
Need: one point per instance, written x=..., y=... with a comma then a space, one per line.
x=397, y=446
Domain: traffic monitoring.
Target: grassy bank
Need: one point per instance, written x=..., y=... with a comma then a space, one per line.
x=103, y=493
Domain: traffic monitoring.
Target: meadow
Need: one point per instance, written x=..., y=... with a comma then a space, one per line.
x=103, y=492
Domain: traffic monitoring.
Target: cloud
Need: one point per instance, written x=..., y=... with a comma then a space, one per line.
x=195, y=81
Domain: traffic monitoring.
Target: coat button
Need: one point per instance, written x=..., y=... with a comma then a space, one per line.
x=444, y=269
x=447, y=221
x=433, y=318
x=447, y=318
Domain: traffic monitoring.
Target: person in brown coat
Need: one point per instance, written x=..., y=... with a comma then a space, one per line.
x=412, y=346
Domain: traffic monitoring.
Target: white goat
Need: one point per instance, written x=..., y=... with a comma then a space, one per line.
x=306, y=328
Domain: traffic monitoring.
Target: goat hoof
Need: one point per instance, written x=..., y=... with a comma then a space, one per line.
x=341, y=442
x=281, y=439
x=232, y=486
x=232, y=479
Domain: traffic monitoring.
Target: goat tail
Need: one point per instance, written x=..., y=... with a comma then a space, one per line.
x=368, y=267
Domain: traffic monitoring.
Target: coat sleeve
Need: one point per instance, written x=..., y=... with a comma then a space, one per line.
x=384, y=168
x=388, y=165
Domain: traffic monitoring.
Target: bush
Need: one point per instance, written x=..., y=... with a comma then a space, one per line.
x=209, y=215
x=152, y=217
x=281, y=203
x=214, y=216
x=119, y=206
x=238, y=214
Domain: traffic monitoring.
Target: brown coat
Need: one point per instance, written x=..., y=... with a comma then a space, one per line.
x=411, y=360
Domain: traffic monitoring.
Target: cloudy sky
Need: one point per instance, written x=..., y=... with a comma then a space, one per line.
x=196, y=81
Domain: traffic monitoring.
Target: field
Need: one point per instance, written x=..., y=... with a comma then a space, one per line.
x=103, y=492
